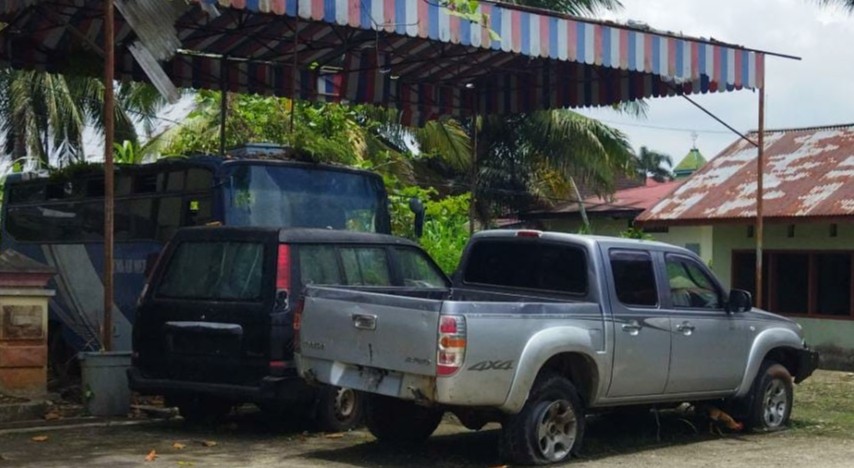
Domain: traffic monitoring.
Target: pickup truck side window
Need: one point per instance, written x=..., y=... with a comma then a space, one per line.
x=417, y=271
x=690, y=286
x=538, y=266
x=365, y=266
x=634, y=278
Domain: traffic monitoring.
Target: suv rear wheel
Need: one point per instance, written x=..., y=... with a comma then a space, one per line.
x=550, y=426
x=200, y=408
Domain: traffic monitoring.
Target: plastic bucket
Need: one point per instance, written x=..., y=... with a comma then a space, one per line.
x=105, y=382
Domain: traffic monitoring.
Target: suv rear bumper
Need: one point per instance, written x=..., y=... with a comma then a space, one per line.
x=807, y=363
x=271, y=389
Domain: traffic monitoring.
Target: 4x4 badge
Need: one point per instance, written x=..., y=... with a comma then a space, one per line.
x=492, y=365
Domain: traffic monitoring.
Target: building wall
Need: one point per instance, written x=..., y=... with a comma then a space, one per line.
x=833, y=338
x=698, y=239
x=807, y=237
x=600, y=226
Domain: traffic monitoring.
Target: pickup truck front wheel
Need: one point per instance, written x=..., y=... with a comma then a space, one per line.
x=400, y=422
x=550, y=426
x=771, y=398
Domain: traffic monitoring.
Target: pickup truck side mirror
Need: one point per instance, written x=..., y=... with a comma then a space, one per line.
x=739, y=301
x=418, y=208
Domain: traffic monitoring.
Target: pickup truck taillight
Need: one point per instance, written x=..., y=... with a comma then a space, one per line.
x=452, y=344
x=297, y=324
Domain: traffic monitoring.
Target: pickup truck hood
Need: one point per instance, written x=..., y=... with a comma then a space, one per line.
x=759, y=314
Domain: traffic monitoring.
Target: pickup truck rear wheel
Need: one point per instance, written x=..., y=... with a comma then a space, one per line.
x=550, y=426
x=400, y=422
x=771, y=398
x=338, y=409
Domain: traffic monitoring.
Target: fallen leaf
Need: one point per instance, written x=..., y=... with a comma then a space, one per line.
x=209, y=443
x=337, y=435
x=39, y=438
x=152, y=455
x=52, y=415
x=178, y=445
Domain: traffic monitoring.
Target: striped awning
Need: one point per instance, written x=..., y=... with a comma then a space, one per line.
x=408, y=54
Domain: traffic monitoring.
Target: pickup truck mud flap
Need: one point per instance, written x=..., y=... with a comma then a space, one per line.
x=368, y=379
x=807, y=363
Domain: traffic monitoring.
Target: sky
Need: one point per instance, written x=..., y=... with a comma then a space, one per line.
x=817, y=90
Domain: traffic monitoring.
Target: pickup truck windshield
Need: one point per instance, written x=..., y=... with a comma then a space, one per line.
x=214, y=271
x=543, y=266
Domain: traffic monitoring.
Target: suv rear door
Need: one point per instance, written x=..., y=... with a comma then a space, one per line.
x=207, y=317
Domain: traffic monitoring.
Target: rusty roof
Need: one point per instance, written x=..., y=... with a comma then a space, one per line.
x=808, y=174
x=632, y=200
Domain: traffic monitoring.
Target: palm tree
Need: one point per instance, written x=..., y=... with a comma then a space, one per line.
x=847, y=4
x=653, y=164
x=43, y=114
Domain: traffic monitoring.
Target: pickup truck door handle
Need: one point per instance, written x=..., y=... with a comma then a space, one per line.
x=632, y=328
x=686, y=328
x=365, y=321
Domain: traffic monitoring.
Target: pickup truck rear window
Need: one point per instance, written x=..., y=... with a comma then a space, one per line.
x=540, y=266
x=214, y=271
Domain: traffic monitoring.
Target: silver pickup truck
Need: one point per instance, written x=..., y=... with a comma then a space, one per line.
x=541, y=328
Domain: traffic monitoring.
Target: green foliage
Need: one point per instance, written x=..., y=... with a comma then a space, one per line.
x=445, y=222
x=635, y=233
x=446, y=229
x=319, y=131
x=127, y=152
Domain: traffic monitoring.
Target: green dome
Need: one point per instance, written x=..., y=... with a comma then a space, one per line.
x=690, y=163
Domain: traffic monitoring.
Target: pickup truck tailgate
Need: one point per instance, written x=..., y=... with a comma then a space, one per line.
x=371, y=330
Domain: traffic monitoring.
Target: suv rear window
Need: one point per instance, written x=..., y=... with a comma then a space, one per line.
x=214, y=270
x=542, y=266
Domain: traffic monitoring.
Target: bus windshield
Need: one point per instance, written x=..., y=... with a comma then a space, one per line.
x=281, y=196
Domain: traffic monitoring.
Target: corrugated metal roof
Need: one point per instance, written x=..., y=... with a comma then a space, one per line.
x=412, y=55
x=808, y=173
x=634, y=199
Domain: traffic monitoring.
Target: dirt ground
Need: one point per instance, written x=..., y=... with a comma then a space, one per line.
x=251, y=440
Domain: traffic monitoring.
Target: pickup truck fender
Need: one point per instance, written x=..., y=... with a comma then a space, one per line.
x=764, y=342
x=542, y=347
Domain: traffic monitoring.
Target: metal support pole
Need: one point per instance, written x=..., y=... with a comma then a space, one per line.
x=109, y=185
x=223, y=108
x=294, y=76
x=760, y=172
x=473, y=200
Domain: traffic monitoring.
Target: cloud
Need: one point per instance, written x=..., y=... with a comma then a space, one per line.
x=818, y=90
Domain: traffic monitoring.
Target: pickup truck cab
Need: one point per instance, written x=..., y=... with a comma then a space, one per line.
x=540, y=328
x=214, y=323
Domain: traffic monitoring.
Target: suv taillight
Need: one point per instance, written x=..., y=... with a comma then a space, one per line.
x=283, y=268
x=452, y=344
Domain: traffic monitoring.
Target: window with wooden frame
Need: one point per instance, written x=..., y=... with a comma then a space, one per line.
x=807, y=283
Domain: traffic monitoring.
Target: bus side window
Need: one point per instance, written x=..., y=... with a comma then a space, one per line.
x=197, y=211
x=168, y=218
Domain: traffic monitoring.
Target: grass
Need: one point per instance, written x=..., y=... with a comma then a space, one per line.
x=824, y=405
